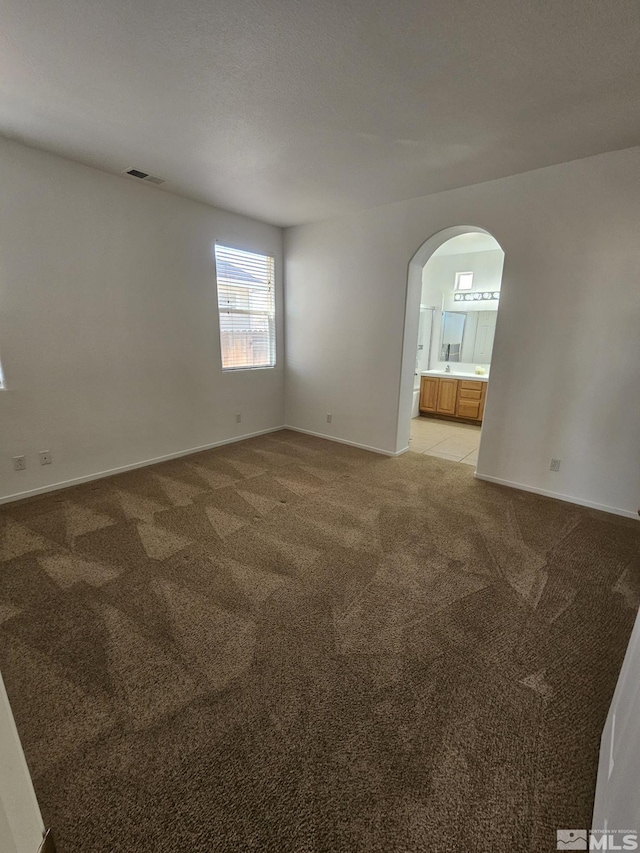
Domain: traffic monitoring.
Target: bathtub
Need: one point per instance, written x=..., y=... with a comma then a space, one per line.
x=415, y=410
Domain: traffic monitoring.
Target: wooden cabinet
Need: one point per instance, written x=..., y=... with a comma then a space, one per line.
x=453, y=398
x=429, y=393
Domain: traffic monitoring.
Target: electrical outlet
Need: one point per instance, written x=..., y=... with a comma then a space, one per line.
x=555, y=465
x=45, y=457
x=19, y=463
x=238, y=417
x=329, y=418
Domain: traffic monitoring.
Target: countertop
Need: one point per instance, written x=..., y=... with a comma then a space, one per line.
x=443, y=375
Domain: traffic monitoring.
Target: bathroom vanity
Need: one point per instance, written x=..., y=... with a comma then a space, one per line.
x=458, y=396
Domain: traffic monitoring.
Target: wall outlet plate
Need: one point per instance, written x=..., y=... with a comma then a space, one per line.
x=555, y=465
x=19, y=463
x=45, y=457
x=238, y=417
x=329, y=417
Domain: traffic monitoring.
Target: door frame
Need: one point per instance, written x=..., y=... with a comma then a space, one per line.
x=21, y=825
x=412, y=315
x=617, y=797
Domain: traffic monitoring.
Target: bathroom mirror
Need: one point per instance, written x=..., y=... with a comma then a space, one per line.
x=452, y=334
x=467, y=336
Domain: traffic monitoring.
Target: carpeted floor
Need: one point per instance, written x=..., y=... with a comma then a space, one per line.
x=288, y=645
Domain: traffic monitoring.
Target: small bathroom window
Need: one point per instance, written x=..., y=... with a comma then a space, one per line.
x=464, y=280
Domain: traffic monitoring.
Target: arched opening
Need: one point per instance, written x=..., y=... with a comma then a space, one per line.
x=453, y=296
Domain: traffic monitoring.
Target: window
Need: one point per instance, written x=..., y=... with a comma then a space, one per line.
x=247, y=309
x=464, y=280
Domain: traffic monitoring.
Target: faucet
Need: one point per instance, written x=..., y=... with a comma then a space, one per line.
x=447, y=369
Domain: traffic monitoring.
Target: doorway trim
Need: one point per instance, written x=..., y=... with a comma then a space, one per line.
x=411, y=318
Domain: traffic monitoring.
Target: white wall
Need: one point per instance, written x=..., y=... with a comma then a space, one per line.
x=565, y=366
x=21, y=826
x=108, y=322
x=439, y=277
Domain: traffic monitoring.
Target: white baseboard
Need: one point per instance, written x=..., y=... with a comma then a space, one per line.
x=627, y=513
x=344, y=441
x=76, y=481
x=120, y=470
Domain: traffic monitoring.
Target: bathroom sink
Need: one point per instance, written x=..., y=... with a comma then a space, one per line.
x=454, y=374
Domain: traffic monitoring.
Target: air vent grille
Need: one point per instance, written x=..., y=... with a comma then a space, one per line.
x=143, y=176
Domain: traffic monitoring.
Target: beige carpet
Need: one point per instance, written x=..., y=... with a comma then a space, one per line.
x=289, y=645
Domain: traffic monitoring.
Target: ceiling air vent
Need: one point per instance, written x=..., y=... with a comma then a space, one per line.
x=143, y=176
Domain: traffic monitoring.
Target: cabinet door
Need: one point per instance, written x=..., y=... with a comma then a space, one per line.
x=429, y=393
x=447, y=392
x=469, y=409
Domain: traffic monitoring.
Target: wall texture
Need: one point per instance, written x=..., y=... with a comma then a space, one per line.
x=108, y=323
x=565, y=366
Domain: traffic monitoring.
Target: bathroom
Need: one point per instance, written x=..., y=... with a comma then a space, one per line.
x=458, y=310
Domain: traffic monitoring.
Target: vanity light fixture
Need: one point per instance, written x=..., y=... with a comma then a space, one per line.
x=472, y=297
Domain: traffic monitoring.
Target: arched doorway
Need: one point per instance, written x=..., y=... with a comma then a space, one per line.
x=443, y=294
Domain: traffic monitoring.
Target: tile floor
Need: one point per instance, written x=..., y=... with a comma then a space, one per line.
x=447, y=439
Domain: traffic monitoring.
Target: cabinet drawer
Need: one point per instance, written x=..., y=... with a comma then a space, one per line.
x=470, y=393
x=471, y=385
x=468, y=409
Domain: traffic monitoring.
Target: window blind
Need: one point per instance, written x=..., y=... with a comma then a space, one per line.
x=247, y=308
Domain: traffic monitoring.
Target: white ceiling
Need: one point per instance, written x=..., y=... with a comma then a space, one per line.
x=474, y=241
x=292, y=111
